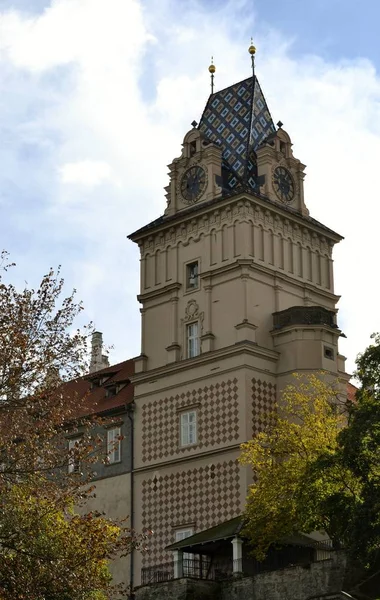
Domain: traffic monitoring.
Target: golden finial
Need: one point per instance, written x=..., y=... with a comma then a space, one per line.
x=212, y=70
x=252, y=51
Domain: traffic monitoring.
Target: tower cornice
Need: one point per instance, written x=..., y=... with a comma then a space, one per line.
x=245, y=204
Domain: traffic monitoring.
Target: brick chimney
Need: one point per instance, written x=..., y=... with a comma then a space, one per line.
x=98, y=360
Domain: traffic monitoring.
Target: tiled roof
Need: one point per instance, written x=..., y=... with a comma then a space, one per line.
x=92, y=392
x=351, y=392
x=238, y=119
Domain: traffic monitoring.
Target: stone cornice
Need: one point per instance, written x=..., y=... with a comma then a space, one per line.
x=244, y=206
x=172, y=287
x=204, y=359
x=189, y=457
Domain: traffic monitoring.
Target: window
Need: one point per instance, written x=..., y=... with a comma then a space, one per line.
x=74, y=461
x=192, y=280
x=192, y=340
x=113, y=445
x=329, y=353
x=188, y=559
x=188, y=428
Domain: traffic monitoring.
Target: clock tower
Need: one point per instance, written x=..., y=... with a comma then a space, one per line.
x=237, y=293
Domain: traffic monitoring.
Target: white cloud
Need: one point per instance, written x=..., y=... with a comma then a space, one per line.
x=85, y=172
x=104, y=93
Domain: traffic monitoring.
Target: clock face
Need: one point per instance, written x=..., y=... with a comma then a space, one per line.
x=283, y=184
x=193, y=183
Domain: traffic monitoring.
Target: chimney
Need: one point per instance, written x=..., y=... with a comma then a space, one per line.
x=98, y=360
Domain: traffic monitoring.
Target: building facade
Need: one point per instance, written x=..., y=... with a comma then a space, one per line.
x=237, y=293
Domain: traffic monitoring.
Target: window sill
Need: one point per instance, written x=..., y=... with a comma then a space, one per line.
x=185, y=446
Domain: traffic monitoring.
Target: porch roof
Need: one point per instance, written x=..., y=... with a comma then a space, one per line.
x=224, y=531
x=204, y=541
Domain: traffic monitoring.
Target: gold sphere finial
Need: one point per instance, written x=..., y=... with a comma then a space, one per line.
x=212, y=67
x=252, y=49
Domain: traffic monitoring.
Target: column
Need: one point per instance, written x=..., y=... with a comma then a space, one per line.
x=178, y=564
x=237, y=555
x=208, y=337
x=174, y=349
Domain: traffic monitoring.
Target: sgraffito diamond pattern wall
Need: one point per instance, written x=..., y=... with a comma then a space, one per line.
x=202, y=496
x=217, y=407
x=263, y=403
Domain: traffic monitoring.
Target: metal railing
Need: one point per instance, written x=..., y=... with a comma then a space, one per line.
x=219, y=569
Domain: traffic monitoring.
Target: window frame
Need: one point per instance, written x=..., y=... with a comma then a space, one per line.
x=188, y=569
x=192, y=339
x=188, y=266
x=114, y=445
x=182, y=439
x=74, y=464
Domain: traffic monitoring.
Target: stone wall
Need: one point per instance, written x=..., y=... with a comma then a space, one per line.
x=295, y=583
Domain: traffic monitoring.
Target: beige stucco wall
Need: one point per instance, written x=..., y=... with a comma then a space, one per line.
x=252, y=262
x=113, y=496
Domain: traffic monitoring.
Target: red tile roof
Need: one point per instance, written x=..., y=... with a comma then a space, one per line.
x=351, y=392
x=92, y=391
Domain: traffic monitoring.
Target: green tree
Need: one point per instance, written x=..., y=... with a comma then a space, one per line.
x=359, y=452
x=284, y=498
x=50, y=547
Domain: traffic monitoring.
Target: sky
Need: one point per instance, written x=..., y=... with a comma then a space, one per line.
x=97, y=95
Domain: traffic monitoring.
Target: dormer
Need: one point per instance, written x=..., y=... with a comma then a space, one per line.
x=281, y=174
x=196, y=176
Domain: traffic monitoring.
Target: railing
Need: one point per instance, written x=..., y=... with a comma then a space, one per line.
x=157, y=574
x=304, y=315
x=219, y=569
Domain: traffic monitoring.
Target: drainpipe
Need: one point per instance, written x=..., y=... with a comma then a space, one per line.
x=130, y=408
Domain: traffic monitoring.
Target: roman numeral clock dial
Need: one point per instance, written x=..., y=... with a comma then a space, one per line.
x=283, y=184
x=193, y=184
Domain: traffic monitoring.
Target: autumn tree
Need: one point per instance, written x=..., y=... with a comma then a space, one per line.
x=358, y=451
x=48, y=549
x=317, y=467
x=284, y=499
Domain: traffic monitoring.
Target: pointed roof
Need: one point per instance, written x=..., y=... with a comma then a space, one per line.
x=238, y=119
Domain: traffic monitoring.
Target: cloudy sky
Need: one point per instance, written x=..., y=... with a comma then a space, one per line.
x=96, y=96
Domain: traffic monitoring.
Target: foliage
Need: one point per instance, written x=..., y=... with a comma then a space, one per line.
x=49, y=547
x=359, y=451
x=283, y=499
x=317, y=467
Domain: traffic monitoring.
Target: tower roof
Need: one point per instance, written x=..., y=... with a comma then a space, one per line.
x=238, y=119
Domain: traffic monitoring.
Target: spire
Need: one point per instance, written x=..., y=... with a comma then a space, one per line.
x=238, y=120
x=252, y=51
x=212, y=70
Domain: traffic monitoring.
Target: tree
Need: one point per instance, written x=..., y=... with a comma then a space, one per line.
x=284, y=499
x=49, y=549
x=317, y=467
x=359, y=452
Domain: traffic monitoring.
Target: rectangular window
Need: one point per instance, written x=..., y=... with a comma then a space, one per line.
x=188, y=558
x=74, y=461
x=113, y=445
x=192, y=279
x=188, y=428
x=192, y=340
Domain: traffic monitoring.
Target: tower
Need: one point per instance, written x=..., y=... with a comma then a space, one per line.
x=237, y=294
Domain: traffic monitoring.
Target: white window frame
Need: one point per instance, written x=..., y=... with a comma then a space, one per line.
x=193, y=347
x=188, y=428
x=74, y=461
x=189, y=266
x=114, y=445
x=182, y=534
